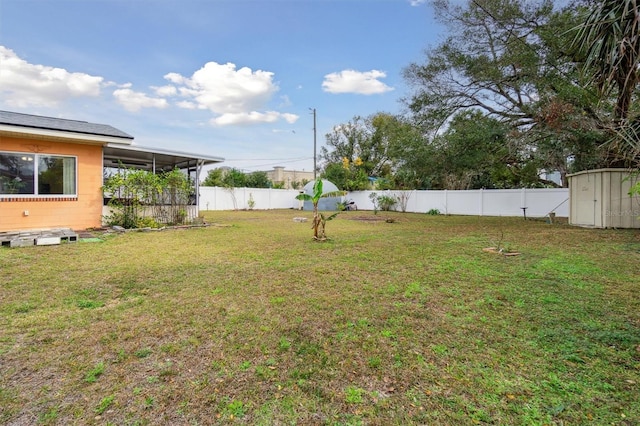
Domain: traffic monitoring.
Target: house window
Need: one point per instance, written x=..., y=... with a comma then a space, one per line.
x=37, y=174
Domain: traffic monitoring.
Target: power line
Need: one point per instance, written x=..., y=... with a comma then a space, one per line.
x=268, y=159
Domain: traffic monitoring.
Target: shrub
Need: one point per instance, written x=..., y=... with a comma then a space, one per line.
x=133, y=192
x=386, y=202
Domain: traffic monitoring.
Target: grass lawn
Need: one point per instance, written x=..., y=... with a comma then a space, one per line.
x=253, y=322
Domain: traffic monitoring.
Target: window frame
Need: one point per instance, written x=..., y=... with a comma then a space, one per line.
x=36, y=165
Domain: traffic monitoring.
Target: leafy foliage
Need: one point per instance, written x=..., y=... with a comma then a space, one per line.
x=235, y=178
x=611, y=34
x=509, y=59
x=490, y=60
x=214, y=178
x=136, y=195
x=607, y=44
x=350, y=175
x=386, y=202
x=257, y=180
x=366, y=147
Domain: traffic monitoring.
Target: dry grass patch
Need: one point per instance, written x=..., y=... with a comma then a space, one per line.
x=407, y=322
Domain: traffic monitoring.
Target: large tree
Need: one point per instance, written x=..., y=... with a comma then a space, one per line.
x=488, y=61
x=471, y=153
x=508, y=58
x=366, y=147
x=474, y=155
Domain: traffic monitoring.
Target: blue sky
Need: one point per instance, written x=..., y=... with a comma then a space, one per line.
x=228, y=78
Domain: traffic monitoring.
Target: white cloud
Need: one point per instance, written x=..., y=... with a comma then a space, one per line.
x=223, y=89
x=290, y=118
x=186, y=105
x=23, y=84
x=252, y=117
x=134, y=101
x=351, y=81
x=235, y=96
x=165, y=91
x=417, y=2
x=175, y=78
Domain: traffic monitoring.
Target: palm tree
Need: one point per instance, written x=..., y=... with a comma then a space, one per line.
x=610, y=41
x=611, y=38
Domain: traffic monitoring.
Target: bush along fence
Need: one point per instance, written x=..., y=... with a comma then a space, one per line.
x=481, y=202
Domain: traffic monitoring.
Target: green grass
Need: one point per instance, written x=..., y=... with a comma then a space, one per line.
x=399, y=323
x=104, y=404
x=93, y=374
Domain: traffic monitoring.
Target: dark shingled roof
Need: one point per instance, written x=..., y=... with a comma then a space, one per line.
x=50, y=123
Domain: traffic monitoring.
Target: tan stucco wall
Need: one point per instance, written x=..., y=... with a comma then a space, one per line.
x=288, y=177
x=50, y=211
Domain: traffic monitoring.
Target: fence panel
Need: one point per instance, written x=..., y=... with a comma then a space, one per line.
x=480, y=202
x=506, y=202
x=217, y=198
x=540, y=202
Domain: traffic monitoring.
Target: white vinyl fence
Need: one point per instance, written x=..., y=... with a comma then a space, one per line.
x=480, y=202
x=216, y=198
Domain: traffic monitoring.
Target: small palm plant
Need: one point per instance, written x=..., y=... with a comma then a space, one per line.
x=319, y=220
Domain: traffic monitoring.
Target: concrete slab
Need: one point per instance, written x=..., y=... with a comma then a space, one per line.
x=47, y=241
x=37, y=237
x=21, y=242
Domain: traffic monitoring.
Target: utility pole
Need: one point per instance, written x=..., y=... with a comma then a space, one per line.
x=315, y=167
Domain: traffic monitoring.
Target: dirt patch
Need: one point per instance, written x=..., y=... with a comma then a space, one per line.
x=368, y=218
x=496, y=250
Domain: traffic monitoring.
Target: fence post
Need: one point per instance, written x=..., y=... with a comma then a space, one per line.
x=415, y=200
x=446, y=203
x=481, y=201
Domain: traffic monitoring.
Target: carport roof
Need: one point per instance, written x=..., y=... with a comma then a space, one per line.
x=151, y=159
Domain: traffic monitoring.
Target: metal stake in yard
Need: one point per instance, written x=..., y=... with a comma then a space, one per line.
x=524, y=212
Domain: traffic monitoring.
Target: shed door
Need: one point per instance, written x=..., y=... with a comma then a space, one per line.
x=584, y=203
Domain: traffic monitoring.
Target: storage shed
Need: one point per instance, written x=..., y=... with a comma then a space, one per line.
x=600, y=199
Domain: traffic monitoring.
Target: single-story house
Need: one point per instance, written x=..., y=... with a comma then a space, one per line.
x=52, y=169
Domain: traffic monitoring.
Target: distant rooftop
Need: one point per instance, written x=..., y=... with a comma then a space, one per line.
x=61, y=124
